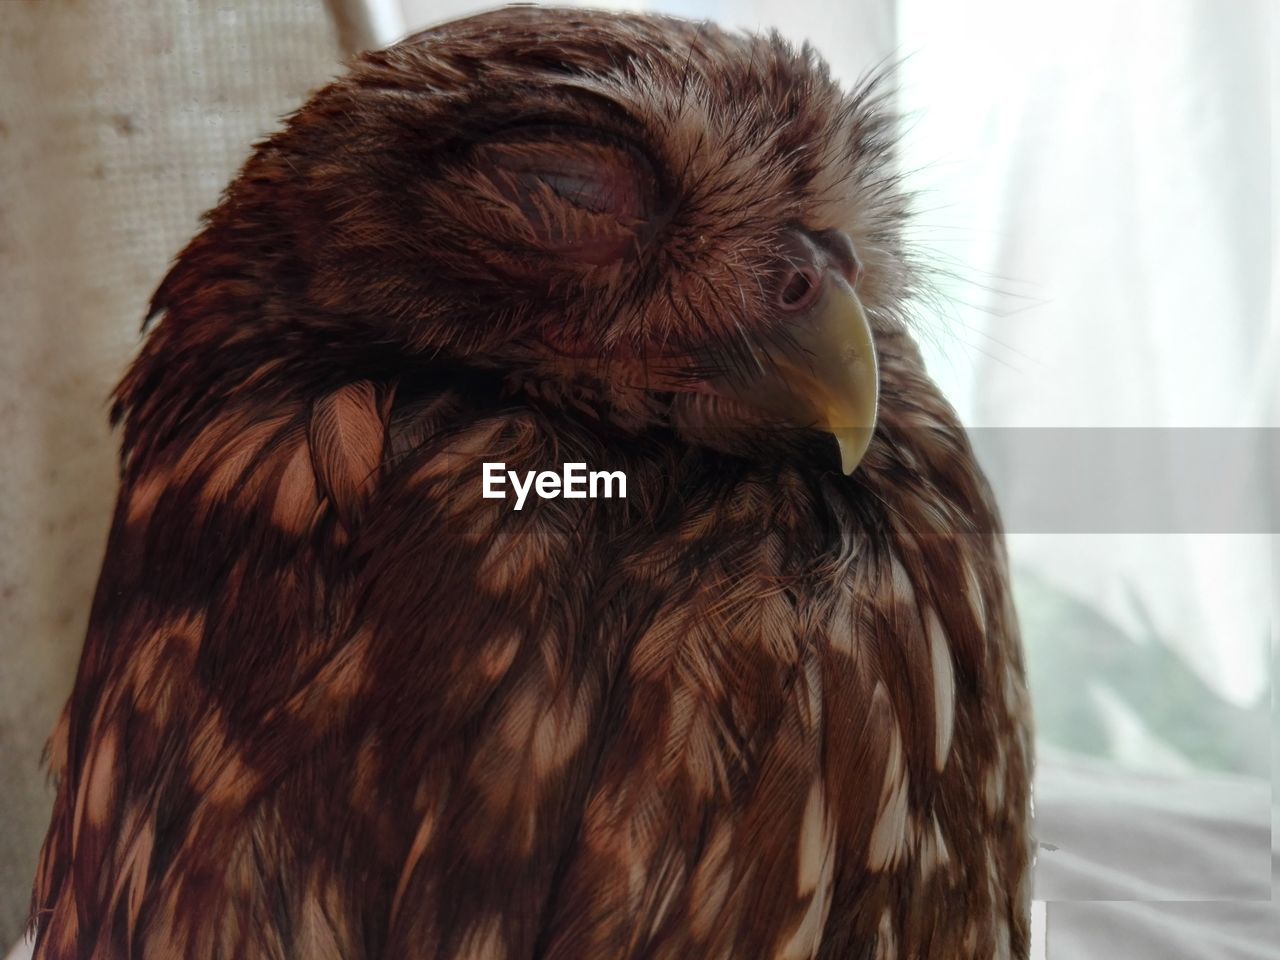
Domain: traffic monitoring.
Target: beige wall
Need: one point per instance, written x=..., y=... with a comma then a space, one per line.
x=119, y=123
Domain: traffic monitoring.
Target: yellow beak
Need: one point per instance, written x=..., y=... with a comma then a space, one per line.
x=832, y=382
x=843, y=381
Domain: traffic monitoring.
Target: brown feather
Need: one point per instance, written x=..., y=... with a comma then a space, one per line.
x=346, y=434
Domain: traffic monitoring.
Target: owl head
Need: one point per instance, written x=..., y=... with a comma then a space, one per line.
x=661, y=215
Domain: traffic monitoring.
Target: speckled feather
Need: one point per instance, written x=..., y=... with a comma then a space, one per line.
x=334, y=704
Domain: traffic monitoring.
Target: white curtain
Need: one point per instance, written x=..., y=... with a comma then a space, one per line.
x=1100, y=181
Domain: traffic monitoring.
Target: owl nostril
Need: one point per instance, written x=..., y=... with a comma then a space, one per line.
x=799, y=289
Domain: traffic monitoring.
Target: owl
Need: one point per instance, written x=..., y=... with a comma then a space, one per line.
x=337, y=701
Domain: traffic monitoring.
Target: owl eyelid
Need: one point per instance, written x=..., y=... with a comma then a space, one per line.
x=580, y=200
x=578, y=181
x=552, y=132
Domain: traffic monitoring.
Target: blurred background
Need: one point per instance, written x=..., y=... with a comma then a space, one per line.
x=1095, y=191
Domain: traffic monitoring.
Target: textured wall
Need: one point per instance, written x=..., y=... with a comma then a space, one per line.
x=119, y=123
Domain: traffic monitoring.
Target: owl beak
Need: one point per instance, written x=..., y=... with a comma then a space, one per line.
x=826, y=376
x=842, y=382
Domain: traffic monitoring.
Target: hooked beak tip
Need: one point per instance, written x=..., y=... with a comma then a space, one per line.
x=853, y=443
